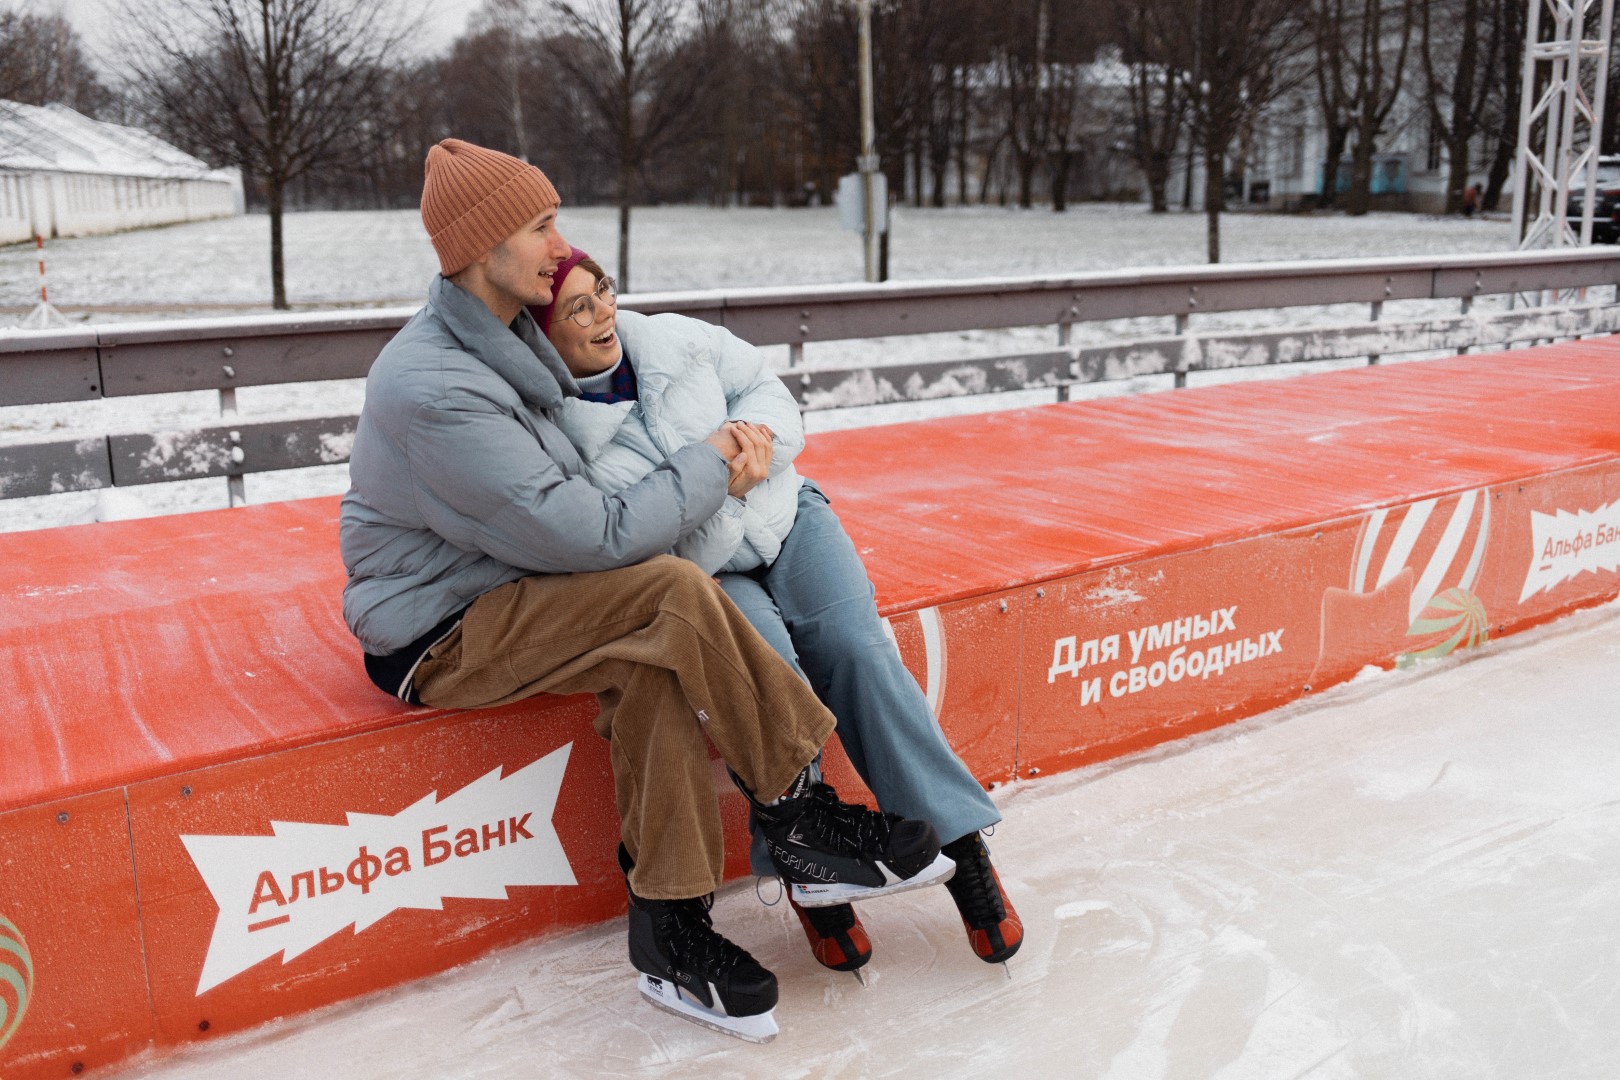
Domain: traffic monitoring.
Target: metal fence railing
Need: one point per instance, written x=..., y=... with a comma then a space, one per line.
x=224, y=355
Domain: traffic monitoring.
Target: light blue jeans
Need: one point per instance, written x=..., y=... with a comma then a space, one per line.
x=817, y=609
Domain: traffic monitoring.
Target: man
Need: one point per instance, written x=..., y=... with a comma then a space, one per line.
x=484, y=568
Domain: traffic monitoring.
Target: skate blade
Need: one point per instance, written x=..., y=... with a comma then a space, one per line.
x=860, y=976
x=815, y=894
x=666, y=995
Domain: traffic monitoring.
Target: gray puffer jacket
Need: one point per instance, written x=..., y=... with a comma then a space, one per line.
x=460, y=482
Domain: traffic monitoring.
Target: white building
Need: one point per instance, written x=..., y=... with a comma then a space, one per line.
x=1284, y=164
x=64, y=174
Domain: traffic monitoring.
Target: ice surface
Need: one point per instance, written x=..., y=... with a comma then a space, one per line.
x=1409, y=876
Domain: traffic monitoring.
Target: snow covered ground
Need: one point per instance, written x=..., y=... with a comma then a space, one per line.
x=383, y=258
x=1408, y=876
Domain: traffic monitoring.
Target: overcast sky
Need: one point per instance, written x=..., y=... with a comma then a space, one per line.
x=443, y=23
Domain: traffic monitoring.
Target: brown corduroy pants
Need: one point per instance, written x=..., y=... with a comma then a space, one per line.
x=670, y=659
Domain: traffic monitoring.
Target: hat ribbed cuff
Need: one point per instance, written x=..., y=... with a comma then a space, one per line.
x=493, y=218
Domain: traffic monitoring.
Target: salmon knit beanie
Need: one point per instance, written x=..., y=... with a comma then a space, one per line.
x=473, y=198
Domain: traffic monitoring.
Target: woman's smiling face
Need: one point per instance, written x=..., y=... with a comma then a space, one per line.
x=587, y=350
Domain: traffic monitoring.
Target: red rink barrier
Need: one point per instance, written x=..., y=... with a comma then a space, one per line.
x=210, y=818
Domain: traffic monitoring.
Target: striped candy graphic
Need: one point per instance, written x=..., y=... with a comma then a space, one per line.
x=16, y=978
x=1459, y=616
x=1442, y=541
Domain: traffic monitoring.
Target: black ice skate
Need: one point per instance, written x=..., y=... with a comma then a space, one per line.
x=830, y=852
x=692, y=971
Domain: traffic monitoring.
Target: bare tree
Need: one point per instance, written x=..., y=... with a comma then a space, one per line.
x=937, y=42
x=1066, y=94
x=1157, y=94
x=1378, y=26
x=1065, y=90
x=510, y=24
x=1022, y=60
x=1334, y=89
x=821, y=80
x=1358, y=83
x=626, y=63
x=1512, y=18
x=1462, y=55
x=949, y=100
x=1236, y=57
x=277, y=87
x=42, y=61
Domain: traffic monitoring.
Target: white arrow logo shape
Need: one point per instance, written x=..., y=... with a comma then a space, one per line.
x=291, y=891
x=1565, y=544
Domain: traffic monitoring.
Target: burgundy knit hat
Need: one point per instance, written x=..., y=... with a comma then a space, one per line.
x=473, y=198
x=542, y=312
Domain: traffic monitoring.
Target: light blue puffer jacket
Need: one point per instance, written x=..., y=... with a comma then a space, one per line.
x=692, y=377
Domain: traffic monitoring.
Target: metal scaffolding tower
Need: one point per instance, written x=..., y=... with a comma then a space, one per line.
x=1573, y=121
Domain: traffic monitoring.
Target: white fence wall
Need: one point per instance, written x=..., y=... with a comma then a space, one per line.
x=16, y=201
x=86, y=204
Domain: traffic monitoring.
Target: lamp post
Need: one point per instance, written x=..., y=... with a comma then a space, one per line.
x=868, y=161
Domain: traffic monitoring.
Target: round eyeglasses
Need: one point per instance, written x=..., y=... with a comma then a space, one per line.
x=583, y=311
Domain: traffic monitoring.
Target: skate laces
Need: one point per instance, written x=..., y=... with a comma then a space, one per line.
x=759, y=890
x=848, y=829
x=973, y=886
x=688, y=931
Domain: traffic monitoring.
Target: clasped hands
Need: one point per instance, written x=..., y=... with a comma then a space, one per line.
x=747, y=450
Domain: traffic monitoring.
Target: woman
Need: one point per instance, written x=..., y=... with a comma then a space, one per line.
x=785, y=560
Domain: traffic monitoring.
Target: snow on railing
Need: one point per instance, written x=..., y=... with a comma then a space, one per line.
x=223, y=355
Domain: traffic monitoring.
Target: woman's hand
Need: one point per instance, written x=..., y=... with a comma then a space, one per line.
x=756, y=454
x=747, y=450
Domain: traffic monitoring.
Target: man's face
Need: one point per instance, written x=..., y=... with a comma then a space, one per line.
x=521, y=265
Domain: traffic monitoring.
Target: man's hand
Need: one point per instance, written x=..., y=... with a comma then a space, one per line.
x=747, y=450
x=725, y=442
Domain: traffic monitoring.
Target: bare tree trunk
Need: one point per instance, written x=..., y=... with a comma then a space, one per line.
x=1361, y=170
x=1158, y=105
x=988, y=172
x=1214, y=200
x=916, y=172
x=519, y=132
x=1512, y=14
x=962, y=140
x=628, y=64
x=1157, y=173
x=1026, y=177
x=1465, y=89
x=276, y=163
x=275, y=193
x=1501, y=166
x=1062, y=166
x=1338, y=137
x=1456, y=174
